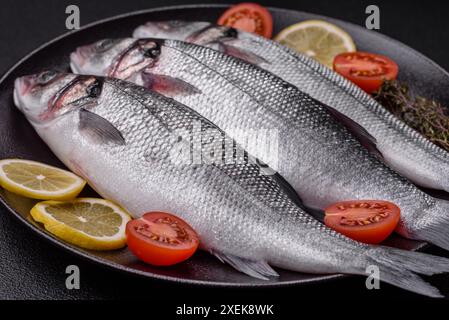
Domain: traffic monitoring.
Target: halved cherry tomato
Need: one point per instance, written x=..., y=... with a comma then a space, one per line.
x=250, y=17
x=367, y=70
x=368, y=221
x=161, y=239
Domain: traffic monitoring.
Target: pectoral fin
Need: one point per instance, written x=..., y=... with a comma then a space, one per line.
x=98, y=129
x=168, y=86
x=256, y=269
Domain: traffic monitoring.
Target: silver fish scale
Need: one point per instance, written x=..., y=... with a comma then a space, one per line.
x=234, y=209
x=403, y=148
x=125, y=143
x=230, y=102
x=176, y=116
x=393, y=135
x=330, y=164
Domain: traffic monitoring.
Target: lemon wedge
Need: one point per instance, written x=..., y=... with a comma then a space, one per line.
x=39, y=181
x=318, y=39
x=90, y=223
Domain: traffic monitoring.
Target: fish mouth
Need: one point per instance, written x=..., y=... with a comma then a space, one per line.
x=74, y=63
x=79, y=57
x=16, y=98
x=23, y=85
x=142, y=32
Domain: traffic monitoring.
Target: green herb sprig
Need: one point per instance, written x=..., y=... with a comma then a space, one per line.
x=427, y=116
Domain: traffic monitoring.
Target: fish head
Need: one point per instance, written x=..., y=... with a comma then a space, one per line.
x=118, y=58
x=48, y=95
x=96, y=58
x=201, y=33
x=170, y=29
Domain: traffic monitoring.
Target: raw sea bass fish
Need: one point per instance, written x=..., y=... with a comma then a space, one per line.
x=124, y=139
x=403, y=148
x=316, y=154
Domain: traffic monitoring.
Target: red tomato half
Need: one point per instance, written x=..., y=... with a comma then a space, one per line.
x=367, y=70
x=250, y=17
x=368, y=221
x=161, y=239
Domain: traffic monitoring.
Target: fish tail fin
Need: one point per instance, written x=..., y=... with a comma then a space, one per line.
x=434, y=227
x=255, y=268
x=398, y=267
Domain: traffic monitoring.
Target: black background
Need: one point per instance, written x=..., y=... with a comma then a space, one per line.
x=31, y=268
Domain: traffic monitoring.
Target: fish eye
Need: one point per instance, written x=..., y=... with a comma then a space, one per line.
x=105, y=44
x=93, y=90
x=151, y=53
x=231, y=33
x=45, y=77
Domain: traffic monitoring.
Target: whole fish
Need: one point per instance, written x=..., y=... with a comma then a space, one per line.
x=125, y=141
x=403, y=148
x=310, y=147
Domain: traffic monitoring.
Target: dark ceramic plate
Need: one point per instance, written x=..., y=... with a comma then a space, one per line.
x=19, y=140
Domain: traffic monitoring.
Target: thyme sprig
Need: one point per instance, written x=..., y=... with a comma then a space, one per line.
x=427, y=116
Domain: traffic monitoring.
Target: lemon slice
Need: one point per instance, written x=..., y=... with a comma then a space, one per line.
x=90, y=223
x=39, y=181
x=318, y=39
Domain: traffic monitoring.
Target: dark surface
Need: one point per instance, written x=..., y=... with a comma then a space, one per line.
x=21, y=141
x=28, y=268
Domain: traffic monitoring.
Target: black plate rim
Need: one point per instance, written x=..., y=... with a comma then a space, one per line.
x=115, y=266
